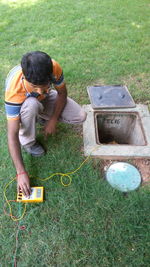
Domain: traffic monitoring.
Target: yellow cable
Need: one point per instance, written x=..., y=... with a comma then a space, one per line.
x=62, y=175
x=10, y=208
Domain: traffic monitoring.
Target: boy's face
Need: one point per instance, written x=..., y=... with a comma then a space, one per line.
x=39, y=88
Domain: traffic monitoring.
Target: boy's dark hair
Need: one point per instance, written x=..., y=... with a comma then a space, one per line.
x=37, y=67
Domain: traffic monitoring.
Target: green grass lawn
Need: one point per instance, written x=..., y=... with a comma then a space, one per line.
x=87, y=223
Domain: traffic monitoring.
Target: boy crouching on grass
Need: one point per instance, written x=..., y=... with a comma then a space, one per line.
x=29, y=98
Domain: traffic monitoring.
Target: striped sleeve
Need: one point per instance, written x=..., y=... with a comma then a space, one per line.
x=12, y=110
x=58, y=81
x=14, y=96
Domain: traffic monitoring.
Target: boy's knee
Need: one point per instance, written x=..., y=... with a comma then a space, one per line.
x=83, y=115
x=32, y=105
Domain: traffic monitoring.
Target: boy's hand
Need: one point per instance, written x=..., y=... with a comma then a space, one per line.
x=50, y=127
x=23, y=184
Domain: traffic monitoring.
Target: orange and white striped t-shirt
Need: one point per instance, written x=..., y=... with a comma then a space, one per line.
x=15, y=91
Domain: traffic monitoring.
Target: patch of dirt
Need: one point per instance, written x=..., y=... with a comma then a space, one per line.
x=140, y=81
x=143, y=165
x=78, y=129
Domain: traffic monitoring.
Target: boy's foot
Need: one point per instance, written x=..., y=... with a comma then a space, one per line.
x=41, y=121
x=35, y=150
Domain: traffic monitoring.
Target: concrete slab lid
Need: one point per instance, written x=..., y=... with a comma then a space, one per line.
x=123, y=176
x=110, y=96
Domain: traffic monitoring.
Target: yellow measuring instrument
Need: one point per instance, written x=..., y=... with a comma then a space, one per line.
x=37, y=194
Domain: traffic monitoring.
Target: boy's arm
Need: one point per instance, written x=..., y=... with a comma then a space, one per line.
x=23, y=181
x=59, y=106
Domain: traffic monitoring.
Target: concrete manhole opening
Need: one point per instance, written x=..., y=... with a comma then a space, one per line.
x=119, y=128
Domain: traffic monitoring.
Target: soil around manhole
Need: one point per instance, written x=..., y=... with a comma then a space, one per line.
x=143, y=166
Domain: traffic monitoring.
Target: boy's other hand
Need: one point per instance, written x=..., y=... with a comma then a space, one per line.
x=50, y=127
